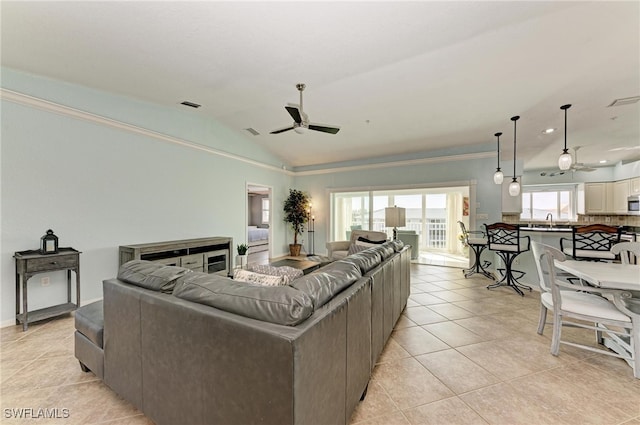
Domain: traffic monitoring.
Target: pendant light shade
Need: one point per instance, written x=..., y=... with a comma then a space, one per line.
x=565, y=160
x=498, y=176
x=514, y=186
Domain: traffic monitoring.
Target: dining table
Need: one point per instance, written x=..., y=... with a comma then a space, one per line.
x=604, y=275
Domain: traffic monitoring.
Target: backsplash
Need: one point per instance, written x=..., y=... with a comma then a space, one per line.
x=612, y=220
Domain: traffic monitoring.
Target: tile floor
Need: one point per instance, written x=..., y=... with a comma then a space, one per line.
x=460, y=354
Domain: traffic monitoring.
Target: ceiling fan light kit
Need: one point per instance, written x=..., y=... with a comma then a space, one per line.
x=498, y=176
x=565, y=160
x=514, y=186
x=301, y=121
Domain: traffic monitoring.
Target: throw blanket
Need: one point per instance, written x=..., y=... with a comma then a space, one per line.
x=255, y=234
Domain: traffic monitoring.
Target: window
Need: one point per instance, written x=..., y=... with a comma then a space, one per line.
x=265, y=210
x=432, y=213
x=540, y=201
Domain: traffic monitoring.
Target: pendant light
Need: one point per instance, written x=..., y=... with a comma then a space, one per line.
x=498, y=176
x=514, y=186
x=565, y=160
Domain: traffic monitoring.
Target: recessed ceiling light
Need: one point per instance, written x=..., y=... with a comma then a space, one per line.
x=548, y=131
x=603, y=161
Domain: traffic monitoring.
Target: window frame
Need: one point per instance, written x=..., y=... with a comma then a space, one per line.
x=557, y=188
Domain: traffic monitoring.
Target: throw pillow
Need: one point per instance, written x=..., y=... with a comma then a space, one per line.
x=361, y=244
x=287, y=273
x=241, y=275
x=370, y=242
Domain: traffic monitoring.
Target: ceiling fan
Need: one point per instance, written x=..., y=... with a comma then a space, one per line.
x=301, y=120
x=575, y=166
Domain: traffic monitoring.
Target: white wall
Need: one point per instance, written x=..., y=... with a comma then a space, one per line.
x=114, y=171
x=98, y=186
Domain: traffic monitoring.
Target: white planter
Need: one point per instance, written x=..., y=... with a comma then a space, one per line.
x=241, y=261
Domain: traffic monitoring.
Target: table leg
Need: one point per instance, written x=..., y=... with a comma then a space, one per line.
x=18, y=291
x=25, y=307
x=78, y=287
x=69, y=285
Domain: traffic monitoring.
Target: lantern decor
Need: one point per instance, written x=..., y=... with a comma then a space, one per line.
x=49, y=243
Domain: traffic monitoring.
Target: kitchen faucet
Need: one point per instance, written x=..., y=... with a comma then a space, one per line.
x=550, y=218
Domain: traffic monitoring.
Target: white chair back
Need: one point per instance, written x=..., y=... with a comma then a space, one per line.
x=542, y=266
x=629, y=252
x=549, y=254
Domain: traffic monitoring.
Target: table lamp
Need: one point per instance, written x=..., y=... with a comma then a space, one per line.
x=394, y=217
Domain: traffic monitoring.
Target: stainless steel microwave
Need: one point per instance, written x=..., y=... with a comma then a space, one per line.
x=633, y=205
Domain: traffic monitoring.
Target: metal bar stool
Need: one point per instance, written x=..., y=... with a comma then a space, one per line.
x=506, y=241
x=592, y=242
x=477, y=244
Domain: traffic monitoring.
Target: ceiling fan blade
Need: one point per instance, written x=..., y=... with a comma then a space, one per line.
x=282, y=130
x=324, y=129
x=294, y=111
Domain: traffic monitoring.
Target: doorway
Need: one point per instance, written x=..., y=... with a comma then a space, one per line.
x=258, y=233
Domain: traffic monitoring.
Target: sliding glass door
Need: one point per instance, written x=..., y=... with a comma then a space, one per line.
x=431, y=213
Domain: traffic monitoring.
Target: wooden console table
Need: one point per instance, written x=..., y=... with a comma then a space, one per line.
x=29, y=263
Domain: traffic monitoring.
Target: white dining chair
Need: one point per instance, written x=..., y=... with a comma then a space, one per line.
x=613, y=320
x=629, y=252
x=538, y=249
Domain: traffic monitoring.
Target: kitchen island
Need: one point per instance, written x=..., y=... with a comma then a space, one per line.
x=545, y=234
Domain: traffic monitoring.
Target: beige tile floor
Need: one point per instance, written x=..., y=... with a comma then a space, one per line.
x=460, y=354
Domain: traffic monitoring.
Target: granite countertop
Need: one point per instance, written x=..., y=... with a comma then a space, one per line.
x=547, y=229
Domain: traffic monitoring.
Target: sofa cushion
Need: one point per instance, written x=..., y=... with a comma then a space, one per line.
x=89, y=321
x=324, y=284
x=283, y=305
x=365, y=260
x=256, y=278
x=397, y=245
x=385, y=250
x=287, y=273
x=150, y=275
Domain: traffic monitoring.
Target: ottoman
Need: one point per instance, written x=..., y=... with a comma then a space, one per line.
x=89, y=323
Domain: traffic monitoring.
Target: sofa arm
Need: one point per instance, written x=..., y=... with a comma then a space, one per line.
x=337, y=246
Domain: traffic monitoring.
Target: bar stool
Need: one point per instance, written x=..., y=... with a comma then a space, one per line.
x=592, y=242
x=477, y=244
x=506, y=241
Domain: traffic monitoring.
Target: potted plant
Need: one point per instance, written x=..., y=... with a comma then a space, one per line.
x=242, y=249
x=296, y=213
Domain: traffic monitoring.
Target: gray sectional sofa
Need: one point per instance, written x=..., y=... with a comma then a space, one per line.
x=193, y=348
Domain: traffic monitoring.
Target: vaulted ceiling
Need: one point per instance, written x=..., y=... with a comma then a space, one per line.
x=397, y=77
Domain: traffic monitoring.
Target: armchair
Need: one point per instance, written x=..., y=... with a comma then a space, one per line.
x=339, y=249
x=410, y=237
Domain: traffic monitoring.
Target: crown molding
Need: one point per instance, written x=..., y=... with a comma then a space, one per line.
x=56, y=108
x=402, y=163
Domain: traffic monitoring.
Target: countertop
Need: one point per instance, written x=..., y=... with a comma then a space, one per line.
x=547, y=229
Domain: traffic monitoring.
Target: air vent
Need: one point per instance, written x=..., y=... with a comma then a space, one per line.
x=625, y=101
x=252, y=131
x=190, y=104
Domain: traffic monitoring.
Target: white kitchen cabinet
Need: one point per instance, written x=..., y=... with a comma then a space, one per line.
x=620, y=194
x=598, y=198
x=634, y=186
